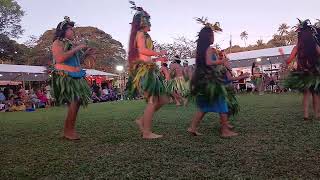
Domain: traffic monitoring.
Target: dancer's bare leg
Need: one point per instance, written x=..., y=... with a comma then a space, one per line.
x=148, y=115
x=315, y=102
x=70, y=122
x=306, y=95
x=193, y=129
x=162, y=101
x=177, y=99
x=225, y=130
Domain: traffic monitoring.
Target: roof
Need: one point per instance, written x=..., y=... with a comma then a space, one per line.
x=260, y=53
x=245, y=59
x=264, y=61
x=22, y=69
x=93, y=72
x=36, y=73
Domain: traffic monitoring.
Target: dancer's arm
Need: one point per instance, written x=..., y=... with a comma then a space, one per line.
x=209, y=61
x=60, y=55
x=318, y=49
x=293, y=54
x=231, y=78
x=142, y=47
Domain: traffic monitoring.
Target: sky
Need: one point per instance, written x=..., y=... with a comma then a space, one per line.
x=170, y=18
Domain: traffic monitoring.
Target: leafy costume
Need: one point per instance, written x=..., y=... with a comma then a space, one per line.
x=179, y=85
x=210, y=86
x=68, y=79
x=144, y=77
x=302, y=79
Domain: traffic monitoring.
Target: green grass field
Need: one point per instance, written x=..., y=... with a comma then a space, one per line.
x=274, y=142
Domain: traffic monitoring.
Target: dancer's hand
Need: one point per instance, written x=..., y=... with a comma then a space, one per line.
x=90, y=51
x=162, y=53
x=162, y=59
x=80, y=47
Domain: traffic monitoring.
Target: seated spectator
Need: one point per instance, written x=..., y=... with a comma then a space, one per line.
x=2, y=97
x=17, y=106
x=33, y=97
x=48, y=95
x=43, y=99
x=12, y=94
x=104, y=94
x=95, y=98
x=3, y=107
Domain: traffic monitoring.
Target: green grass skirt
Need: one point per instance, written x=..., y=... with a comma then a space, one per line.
x=145, y=79
x=67, y=89
x=210, y=83
x=303, y=80
x=179, y=85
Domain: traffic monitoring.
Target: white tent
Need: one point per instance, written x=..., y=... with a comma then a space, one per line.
x=10, y=72
x=22, y=73
x=268, y=52
x=93, y=72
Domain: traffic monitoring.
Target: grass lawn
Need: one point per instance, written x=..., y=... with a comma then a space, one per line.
x=274, y=142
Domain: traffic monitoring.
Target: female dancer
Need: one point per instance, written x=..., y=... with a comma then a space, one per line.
x=208, y=82
x=257, y=78
x=144, y=73
x=68, y=82
x=306, y=77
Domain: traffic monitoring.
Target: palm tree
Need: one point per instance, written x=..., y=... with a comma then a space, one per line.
x=244, y=37
x=259, y=42
x=283, y=29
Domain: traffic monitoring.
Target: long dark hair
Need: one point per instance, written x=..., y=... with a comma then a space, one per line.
x=203, y=43
x=133, y=53
x=61, y=31
x=252, y=67
x=307, y=50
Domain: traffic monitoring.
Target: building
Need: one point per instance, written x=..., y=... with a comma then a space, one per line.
x=268, y=59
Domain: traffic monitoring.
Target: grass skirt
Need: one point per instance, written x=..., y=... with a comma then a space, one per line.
x=210, y=83
x=303, y=80
x=67, y=89
x=145, y=79
x=179, y=85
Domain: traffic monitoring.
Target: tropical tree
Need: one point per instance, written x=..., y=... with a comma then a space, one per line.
x=10, y=18
x=260, y=42
x=244, y=37
x=181, y=46
x=109, y=52
x=283, y=29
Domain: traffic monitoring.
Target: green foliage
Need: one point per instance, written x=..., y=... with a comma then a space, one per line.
x=11, y=51
x=67, y=89
x=10, y=18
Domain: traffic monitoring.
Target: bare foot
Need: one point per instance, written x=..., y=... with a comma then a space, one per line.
x=226, y=132
x=151, y=135
x=230, y=126
x=71, y=136
x=139, y=123
x=195, y=133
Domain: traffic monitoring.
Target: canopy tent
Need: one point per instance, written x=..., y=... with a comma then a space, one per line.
x=10, y=72
x=93, y=72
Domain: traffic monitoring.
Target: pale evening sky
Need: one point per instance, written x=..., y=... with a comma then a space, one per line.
x=170, y=18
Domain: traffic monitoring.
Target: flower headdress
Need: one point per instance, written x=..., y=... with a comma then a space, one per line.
x=141, y=14
x=204, y=21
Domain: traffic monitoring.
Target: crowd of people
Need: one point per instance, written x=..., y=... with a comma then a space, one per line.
x=104, y=93
x=13, y=98
x=18, y=98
